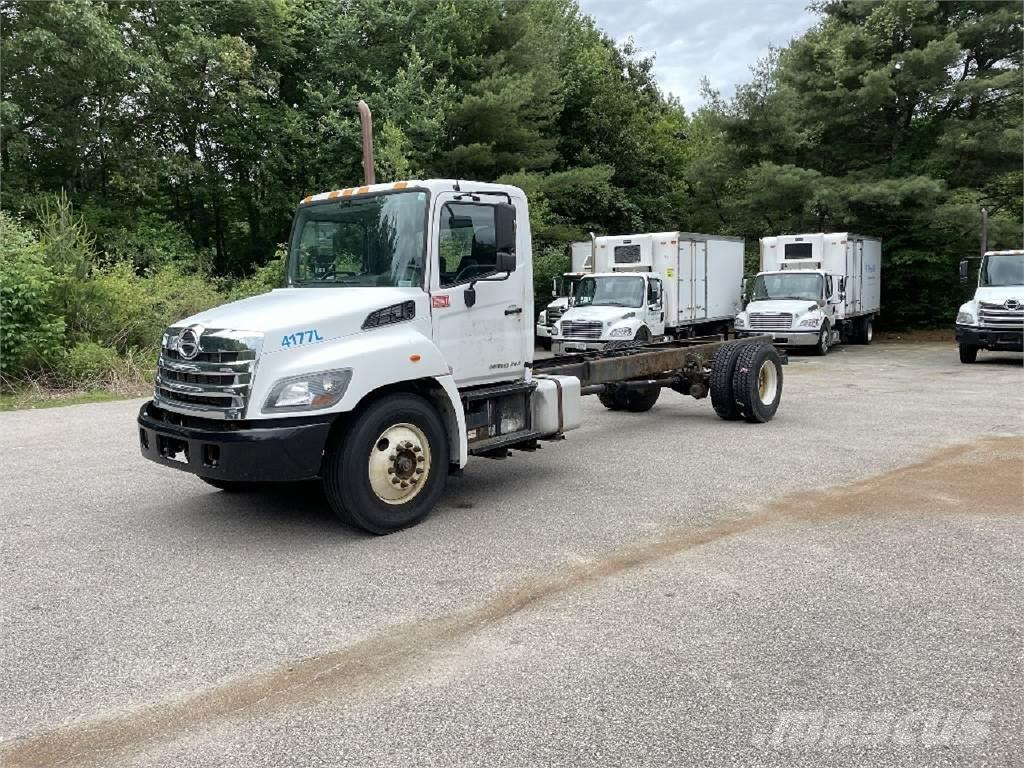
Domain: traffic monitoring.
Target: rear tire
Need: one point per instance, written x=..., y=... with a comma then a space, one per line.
x=968, y=353
x=641, y=400
x=398, y=438
x=614, y=400
x=867, y=331
x=722, y=368
x=757, y=383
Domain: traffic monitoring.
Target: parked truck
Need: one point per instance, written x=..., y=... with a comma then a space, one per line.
x=657, y=285
x=815, y=290
x=399, y=348
x=581, y=262
x=994, y=318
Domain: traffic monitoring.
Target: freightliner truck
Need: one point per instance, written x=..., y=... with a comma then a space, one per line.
x=652, y=286
x=581, y=263
x=994, y=318
x=400, y=347
x=815, y=290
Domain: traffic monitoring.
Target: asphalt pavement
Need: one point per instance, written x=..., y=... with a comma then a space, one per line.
x=841, y=586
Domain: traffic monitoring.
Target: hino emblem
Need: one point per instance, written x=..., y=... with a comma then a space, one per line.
x=1012, y=304
x=188, y=342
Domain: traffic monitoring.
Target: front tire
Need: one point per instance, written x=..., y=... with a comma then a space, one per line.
x=968, y=353
x=824, y=341
x=390, y=467
x=757, y=383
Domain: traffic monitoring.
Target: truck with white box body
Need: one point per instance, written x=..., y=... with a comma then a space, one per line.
x=399, y=348
x=661, y=284
x=581, y=263
x=815, y=290
x=994, y=318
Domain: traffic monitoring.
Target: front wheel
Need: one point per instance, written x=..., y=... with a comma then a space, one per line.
x=824, y=340
x=968, y=353
x=388, y=470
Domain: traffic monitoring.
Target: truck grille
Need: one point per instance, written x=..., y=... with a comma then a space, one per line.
x=771, y=321
x=554, y=314
x=215, y=381
x=581, y=329
x=998, y=317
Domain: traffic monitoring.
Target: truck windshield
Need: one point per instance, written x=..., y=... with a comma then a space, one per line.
x=378, y=240
x=610, y=292
x=787, y=285
x=1002, y=269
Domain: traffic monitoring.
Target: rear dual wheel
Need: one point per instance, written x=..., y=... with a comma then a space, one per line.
x=757, y=383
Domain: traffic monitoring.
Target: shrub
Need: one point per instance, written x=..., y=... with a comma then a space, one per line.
x=264, y=279
x=31, y=325
x=87, y=364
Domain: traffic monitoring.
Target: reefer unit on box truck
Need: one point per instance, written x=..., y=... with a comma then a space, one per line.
x=674, y=284
x=815, y=290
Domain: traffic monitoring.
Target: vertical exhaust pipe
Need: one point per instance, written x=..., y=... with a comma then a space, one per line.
x=984, y=231
x=366, y=121
x=593, y=252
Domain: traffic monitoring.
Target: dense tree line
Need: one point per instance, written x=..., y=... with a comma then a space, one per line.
x=185, y=132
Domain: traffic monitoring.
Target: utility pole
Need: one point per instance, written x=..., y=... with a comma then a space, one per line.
x=366, y=121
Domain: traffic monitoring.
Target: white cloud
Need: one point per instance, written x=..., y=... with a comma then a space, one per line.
x=719, y=39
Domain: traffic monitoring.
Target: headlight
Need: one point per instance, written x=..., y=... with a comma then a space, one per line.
x=555, y=329
x=964, y=318
x=308, y=392
x=810, y=322
x=542, y=318
x=624, y=331
x=740, y=322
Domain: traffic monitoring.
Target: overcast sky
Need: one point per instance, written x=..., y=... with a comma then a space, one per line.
x=691, y=38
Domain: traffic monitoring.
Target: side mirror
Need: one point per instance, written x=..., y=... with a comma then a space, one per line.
x=744, y=291
x=963, y=272
x=505, y=237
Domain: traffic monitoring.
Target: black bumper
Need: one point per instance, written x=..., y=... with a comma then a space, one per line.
x=277, y=450
x=1008, y=339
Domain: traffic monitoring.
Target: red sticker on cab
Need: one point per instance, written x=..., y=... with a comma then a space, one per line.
x=440, y=302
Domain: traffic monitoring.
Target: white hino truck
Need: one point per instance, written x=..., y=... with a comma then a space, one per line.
x=651, y=286
x=399, y=348
x=815, y=290
x=581, y=263
x=994, y=318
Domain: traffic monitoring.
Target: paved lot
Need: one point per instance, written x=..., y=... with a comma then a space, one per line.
x=840, y=586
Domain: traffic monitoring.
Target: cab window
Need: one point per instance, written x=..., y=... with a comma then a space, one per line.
x=467, y=246
x=654, y=292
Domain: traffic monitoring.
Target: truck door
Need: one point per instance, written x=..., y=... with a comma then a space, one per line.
x=483, y=342
x=693, y=280
x=655, y=311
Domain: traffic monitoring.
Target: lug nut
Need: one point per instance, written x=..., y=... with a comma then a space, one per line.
x=405, y=484
x=393, y=456
x=413, y=480
x=395, y=480
x=417, y=449
x=420, y=459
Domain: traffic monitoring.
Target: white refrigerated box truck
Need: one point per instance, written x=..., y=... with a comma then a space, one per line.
x=581, y=262
x=815, y=290
x=661, y=284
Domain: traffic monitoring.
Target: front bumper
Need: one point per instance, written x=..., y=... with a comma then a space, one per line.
x=805, y=337
x=1011, y=340
x=570, y=345
x=275, y=450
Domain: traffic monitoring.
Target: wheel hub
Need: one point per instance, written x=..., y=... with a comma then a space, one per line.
x=399, y=463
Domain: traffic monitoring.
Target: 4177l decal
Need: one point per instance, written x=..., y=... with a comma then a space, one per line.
x=299, y=338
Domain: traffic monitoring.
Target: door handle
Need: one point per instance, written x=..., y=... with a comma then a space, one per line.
x=514, y=311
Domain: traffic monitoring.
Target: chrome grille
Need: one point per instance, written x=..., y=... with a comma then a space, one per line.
x=998, y=317
x=215, y=383
x=771, y=321
x=581, y=329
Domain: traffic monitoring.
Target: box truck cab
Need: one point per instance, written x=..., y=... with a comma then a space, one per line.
x=674, y=284
x=994, y=318
x=563, y=287
x=815, y=290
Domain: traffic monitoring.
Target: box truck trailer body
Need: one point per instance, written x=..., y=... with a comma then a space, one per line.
x=692, y=285
x=816, y=290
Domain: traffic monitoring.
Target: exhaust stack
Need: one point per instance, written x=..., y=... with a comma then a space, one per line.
x=366, y=121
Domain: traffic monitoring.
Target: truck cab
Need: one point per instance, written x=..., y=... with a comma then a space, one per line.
x=994, y=318
x=563, y=289
x=611, y=307
x=796, y=307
